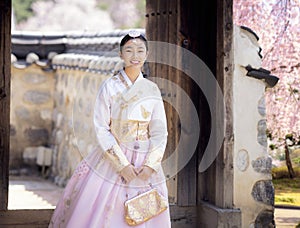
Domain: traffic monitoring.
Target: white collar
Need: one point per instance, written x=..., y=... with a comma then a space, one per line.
x=128, y=81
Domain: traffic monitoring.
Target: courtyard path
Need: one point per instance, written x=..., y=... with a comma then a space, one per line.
x=37, y=193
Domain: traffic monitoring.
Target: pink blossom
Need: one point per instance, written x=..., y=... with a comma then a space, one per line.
x=277, y=25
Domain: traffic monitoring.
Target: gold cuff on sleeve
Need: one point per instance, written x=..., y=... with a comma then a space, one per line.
x=154, y=159
x=117, y=157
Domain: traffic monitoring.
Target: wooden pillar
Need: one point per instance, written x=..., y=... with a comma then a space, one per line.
x=224, y=75
x=5, y=49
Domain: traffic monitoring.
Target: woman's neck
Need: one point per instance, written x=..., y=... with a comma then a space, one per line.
x=132, y=73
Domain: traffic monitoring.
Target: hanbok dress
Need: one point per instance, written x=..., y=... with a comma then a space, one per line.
x=130, y=124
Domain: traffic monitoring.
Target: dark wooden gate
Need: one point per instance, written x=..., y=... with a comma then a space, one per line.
x=205, y=28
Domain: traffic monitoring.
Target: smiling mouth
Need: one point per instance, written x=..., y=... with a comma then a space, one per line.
x=135, y=62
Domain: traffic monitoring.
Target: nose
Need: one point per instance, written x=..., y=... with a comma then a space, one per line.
x=135, y=54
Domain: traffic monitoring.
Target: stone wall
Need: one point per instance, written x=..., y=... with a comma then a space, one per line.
x=253, y=189
x=32, y=104
x=55, y=78
x=78, y=78
x=52, y=110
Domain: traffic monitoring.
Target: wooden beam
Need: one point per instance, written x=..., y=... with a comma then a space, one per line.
x=26, y=218
x=224, y=73
x=181, y=217
x=5, y=49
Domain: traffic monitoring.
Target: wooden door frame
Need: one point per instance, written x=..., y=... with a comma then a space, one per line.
x=5, y=47
x=15, y=218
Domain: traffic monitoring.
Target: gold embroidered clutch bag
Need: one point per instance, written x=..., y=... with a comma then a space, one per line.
x=144, y=206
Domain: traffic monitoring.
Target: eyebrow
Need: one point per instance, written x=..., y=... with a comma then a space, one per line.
x=140, y=46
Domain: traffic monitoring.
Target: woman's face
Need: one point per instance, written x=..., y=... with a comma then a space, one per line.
x=134, y=53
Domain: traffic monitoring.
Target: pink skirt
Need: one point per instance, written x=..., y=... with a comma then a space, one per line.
x=95, y=194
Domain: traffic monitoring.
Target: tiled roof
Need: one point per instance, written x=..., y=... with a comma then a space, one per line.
x=90, y=63
x=39, y=48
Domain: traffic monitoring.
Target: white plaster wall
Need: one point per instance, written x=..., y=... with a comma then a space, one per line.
x=246, y=95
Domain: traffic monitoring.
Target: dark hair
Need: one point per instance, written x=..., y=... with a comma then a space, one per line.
x=127, y=37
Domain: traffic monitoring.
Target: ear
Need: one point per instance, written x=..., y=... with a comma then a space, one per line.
x=120, y=54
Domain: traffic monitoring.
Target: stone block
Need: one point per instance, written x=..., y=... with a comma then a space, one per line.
x=261, y=132
x=22, y=113
x=46, y=114
x=242, y=160
x=37, y=136
x=265, y=219
x=34, y=78
x=59, y=136
x=59, y=120
x=263, y=191
x=29, y=155
x=44, y=156
x=262, y=106
x=262, y=165
x=37, y=97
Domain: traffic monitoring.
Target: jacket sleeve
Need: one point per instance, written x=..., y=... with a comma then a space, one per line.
x=106, y=140
x=158, y=136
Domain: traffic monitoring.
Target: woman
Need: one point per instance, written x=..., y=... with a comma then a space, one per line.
x=130, y=124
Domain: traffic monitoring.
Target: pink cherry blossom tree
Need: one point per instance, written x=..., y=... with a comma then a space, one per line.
x=277, y=24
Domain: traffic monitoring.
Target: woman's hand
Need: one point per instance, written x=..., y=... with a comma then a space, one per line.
x=128, y=173
x=145, y=172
